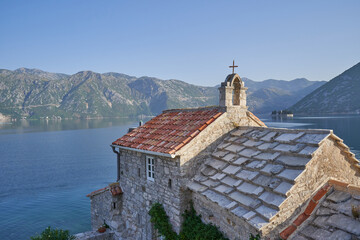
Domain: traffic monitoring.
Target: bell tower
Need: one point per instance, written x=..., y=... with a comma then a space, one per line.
x=233, y=91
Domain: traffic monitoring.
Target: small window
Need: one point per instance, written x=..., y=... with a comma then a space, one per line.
x=150, y=168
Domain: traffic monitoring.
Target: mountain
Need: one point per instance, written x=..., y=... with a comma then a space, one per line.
x=269, y=95
x=338, y=96
x=34, y=93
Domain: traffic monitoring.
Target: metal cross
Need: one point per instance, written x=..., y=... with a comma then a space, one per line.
x=233, y=66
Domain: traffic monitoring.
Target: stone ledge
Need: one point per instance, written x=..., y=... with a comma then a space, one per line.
x=95, y=235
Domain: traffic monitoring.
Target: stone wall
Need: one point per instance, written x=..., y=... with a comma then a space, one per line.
x=139, y=193
x=329, y=161
x=232, y=226
x=106, y=207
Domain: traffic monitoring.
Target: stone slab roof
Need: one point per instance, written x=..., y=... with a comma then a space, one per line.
x=171, y=130
x=251, y=171
x=336, y=216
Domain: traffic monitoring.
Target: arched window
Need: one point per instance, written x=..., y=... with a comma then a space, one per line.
x=236, y=92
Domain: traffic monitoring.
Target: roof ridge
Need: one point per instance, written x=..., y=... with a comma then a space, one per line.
x=193, y=109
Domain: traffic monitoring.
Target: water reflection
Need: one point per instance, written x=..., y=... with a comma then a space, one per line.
x=26, y=126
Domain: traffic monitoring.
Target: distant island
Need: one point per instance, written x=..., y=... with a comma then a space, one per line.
x=282, y=113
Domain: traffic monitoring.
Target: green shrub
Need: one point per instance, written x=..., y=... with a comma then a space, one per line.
x=161, y=222
x=194, y=229
x=53, y=234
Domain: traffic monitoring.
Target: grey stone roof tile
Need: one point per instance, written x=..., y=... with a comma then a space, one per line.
x=231, y=181
x=338, y=234
x=290, y=174
x=267, y=156
x=293, y=161
x=257, y=134
x=248, y=152
x=284, y=147
x=269, y=137
x=200, y=178
x=267, y=145
x=249, y=188
x=220, y=154
x=247, y=175
x=240, y=132
x=210, y=183
x=232, y=139
x=234, y=148
x=267, y=181
x=241, y=198
x=216, y=164
x=273, y=168
x=218, y=198
x=208, y=171
x=196, y=187
x=283, y=188
x=249, y=215
x=231, y=169
x=229, y=157
x=266, y=212
x=312, y=138
x=288, y=137
x=256, y=203
x=338, y=196
x=218, y=176
x=241, y=160
x=223, y=188
x=333, y=219
x=271, y=198
x=308, y=150
x=251, y=143
x=223, y=145
x=239, y=211
x=231, y=205
x=256, y=164
x=319, y=234
x=240, y=140
x=299, y=237
x=258, y=222
x=253, y=169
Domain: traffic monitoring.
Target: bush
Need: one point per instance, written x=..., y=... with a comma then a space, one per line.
x=194, y=229
x=53, y=234
x=161, y=222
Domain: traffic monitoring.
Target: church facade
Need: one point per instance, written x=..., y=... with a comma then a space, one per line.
x=241, y=176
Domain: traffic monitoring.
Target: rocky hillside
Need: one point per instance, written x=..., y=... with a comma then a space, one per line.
x=269, y=95
x=35, y=93
x=338, y=96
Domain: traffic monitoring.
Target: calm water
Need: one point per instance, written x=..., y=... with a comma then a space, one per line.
x=48, y=167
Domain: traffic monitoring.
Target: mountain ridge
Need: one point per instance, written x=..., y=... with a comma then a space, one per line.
x=337, y=96
x=35, y=93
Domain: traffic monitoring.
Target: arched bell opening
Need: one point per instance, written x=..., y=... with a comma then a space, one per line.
x=236, y=92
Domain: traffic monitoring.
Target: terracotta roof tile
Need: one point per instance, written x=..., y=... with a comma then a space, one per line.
x=170, y=131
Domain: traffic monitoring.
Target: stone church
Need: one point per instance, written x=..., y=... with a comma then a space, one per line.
x=241, y=176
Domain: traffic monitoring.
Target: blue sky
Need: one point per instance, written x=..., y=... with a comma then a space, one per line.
x=194, y=41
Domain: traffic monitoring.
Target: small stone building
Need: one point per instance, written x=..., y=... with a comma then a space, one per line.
x=240, y=175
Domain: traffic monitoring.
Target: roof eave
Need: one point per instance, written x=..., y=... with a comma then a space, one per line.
x=145, y=151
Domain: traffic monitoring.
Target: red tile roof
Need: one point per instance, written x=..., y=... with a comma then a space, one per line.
x=170, y=131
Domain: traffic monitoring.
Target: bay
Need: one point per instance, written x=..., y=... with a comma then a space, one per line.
x=48, y=167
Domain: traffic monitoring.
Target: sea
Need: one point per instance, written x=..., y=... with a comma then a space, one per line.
x=48, y=166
